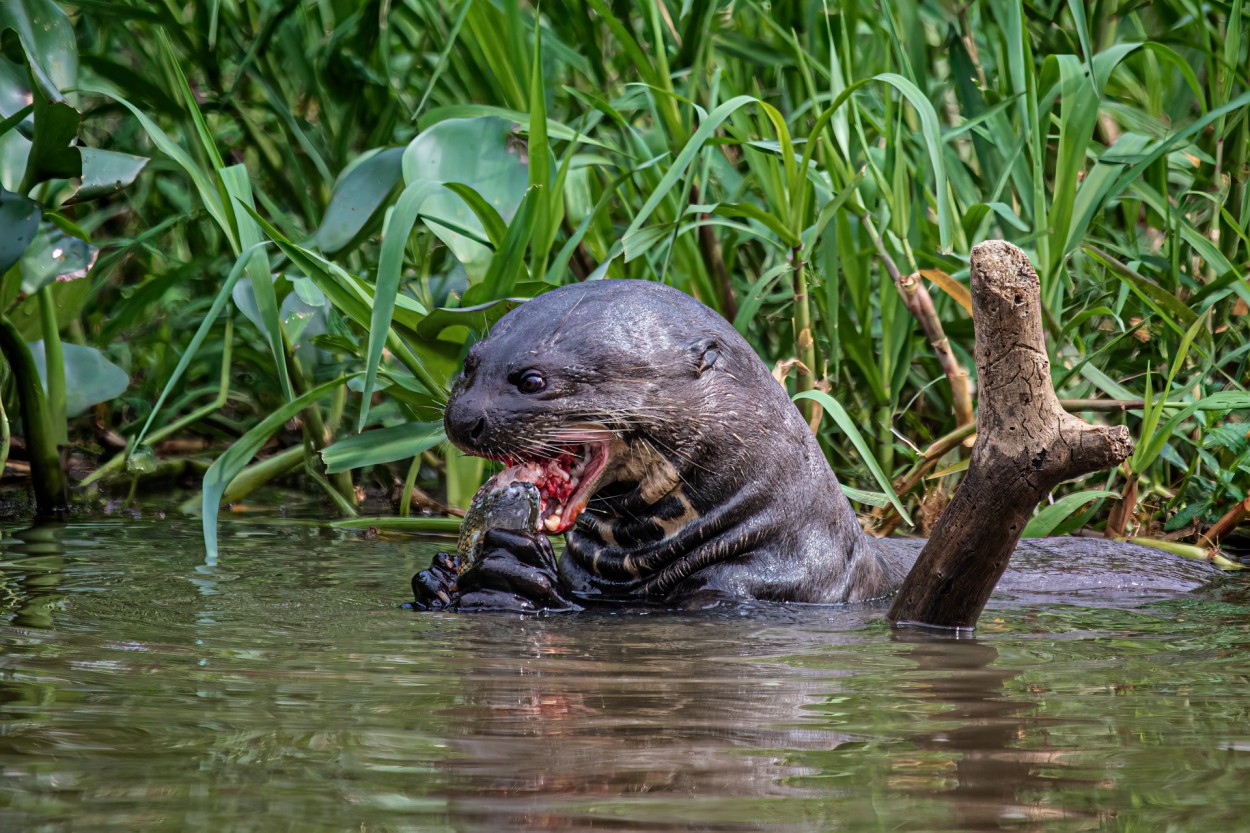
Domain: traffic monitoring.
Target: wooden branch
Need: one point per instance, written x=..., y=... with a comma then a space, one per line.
x=1226, y=524
x=1026, y=444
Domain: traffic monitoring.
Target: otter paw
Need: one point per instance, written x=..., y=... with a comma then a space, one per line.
x=435, y=588
x=516, y=571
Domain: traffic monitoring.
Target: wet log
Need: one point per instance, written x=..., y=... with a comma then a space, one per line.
x=1026, y=444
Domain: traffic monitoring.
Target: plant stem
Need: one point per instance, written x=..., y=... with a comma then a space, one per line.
x=54, y=366
x=804, y=345
x=46, y=472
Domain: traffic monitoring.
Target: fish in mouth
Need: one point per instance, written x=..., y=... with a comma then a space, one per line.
x=566, y=479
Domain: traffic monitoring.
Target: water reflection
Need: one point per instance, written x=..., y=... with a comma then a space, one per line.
x=31, y=573
x=557, y=714
x=283, y=689
x=995, y=740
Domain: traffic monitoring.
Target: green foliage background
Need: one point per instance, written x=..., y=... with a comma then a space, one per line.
x=402, y=166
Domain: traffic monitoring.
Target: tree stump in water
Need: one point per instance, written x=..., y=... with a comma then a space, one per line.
x=1026, y=444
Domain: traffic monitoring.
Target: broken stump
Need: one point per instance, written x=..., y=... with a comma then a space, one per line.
x=1026, y=444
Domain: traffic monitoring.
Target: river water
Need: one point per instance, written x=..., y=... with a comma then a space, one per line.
x=284, y=689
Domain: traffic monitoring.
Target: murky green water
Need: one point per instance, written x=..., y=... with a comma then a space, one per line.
x=284, y=689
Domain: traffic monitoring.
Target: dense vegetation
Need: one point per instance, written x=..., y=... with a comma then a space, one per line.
x=340, y=194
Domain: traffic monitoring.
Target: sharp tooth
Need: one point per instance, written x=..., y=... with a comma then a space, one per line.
x=552, y=522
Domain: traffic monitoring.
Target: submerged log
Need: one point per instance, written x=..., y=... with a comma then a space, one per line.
x=1026, y=444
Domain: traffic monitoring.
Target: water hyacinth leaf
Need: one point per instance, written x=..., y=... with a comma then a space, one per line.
x=55, y=256
x=385, y=445
x=48, y=40
x=1045, y=521
x=296, y=314
x=358, y=201
x=68, y=301
x=245, y=300
x=89, y=377
x=482, y=153
x=492, y=223
x=105, y=172
x=52, y=154
x=302, y=306
x=14, y=153
x=237, y=456
x=16, y=100
x=303, y=317
x=19, y=217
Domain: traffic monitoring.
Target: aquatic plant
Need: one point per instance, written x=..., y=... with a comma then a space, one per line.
x=390, y=177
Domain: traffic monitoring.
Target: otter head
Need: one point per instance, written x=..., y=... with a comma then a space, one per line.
x=595, y=383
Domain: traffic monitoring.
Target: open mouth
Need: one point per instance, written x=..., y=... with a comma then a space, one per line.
x=564, y=482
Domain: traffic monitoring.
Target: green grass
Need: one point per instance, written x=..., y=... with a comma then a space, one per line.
x=771, y=159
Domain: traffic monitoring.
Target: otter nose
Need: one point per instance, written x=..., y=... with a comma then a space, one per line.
x=466, y=422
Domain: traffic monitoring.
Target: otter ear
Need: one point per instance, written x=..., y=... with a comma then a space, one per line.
x=705, y=351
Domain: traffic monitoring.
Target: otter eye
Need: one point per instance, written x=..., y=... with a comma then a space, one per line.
x=531, y=382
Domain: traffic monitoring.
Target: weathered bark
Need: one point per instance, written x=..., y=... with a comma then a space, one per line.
x=1026, y=444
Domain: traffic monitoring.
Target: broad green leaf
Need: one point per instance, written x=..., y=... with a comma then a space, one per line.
x=493, y=225
x=105, y=172
x=478, y=317
x=89, y=377
x=48, y=41
x=55, y=256
x=385, y=445
x=303, y=312
x=482, y=153
x=19, y=217
x=358, y=200
x=52, y=154
x=349, y=296
x=555, y=130
x=68, y=298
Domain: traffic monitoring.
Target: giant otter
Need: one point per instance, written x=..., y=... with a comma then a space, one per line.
x=680, y=471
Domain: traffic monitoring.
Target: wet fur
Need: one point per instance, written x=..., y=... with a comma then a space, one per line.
x=716, y=486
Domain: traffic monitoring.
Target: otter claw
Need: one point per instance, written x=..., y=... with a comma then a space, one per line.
x=516, y=571
x=432, y=589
